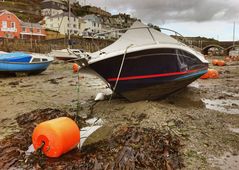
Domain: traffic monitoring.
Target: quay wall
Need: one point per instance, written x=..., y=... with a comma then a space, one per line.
x=45, y=46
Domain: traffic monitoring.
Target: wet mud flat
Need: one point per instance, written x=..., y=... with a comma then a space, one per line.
x=198, y=126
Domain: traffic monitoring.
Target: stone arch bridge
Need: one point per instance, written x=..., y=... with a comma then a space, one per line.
x=204, y=46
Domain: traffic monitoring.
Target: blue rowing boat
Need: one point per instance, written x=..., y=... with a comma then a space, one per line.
x=19, y=62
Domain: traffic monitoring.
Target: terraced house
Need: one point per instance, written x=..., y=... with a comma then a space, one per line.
x=12, y=27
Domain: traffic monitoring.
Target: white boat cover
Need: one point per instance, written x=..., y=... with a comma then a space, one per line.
x=139, y=37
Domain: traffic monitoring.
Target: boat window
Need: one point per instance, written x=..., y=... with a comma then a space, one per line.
x=190, y=59
x=167, y=51
x=44, y=59
x=35, y=60
x=181, y=62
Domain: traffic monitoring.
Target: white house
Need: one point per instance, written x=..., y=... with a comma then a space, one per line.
x=61, y=23
x=90, y=24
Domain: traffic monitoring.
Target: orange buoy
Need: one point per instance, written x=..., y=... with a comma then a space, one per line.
x=221, y=63
x=205, y=76
x=214, y=62
x=213, y=73
x=59, y=136
x=75, y=68
x=227, y=59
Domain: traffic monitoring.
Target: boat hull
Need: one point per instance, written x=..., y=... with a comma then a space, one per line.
x=30, y=68
x=149, y=74
x=158, y=88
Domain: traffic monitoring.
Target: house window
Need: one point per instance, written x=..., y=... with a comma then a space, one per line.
x=31, y=29
x=9, y=17
x=74, y=25
x=38, y=30
x=4, y=24
x=23, y=29
x=13, y=25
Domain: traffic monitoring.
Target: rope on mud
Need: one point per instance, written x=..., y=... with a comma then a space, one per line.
x=119, y=73
x=78, y=94
x=39, y=150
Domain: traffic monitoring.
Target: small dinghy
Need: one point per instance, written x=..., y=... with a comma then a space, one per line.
x=19, y=62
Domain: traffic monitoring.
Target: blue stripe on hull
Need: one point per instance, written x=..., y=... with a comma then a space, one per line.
x=23, y=67
x=200, y=73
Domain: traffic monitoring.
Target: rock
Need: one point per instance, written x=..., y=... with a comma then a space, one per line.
x=14, y=83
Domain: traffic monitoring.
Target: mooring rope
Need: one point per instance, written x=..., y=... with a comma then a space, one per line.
x=119, y=73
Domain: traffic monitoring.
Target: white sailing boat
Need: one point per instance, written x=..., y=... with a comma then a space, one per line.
x=69, y=53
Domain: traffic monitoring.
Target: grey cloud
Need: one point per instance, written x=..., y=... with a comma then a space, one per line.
x=176, y=10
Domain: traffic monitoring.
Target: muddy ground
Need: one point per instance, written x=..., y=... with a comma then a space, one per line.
x=203, y=118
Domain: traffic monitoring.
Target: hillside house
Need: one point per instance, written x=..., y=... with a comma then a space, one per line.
x=32, y=31
x=90, y=24
x=61, y=23
x=12, y=27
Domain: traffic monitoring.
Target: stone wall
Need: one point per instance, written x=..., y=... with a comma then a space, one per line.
x=45, y=46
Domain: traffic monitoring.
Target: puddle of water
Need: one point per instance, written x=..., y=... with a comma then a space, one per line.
x=236, y=130
x=225, y=106
x=230, y=93
x=227, y=161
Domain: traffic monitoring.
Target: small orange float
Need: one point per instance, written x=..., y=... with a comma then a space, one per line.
x=75, y=68
x=214, y=62
x=227, y=59
x=211, y=73
x=58, y=135
x=205, y=76
x=221, y=63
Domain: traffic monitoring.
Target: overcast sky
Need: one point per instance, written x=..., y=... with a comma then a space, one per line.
x=210, y=18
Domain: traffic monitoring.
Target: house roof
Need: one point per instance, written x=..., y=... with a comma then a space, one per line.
x=8, y=12
x=28, y=24
x=92, y=17
x=64, y=14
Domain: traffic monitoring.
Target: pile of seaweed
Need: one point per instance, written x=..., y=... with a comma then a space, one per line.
x=129, y=147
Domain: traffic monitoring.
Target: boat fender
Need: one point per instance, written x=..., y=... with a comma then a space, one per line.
x=75, y=68
x=56, y=137
x=99, y=97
